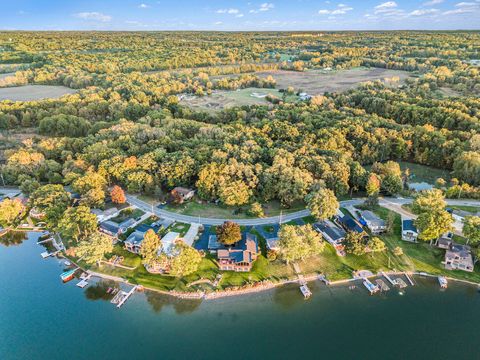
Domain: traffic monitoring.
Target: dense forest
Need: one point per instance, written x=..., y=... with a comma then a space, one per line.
x=126, y=126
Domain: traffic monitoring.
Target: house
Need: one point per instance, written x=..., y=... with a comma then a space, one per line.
x=330, y=232
x=182, y=194
x=112, y=228
x=240, y=257
x=409, y=230
x=168, y=243
x=373, y=222
x=458, y=257
x=445, y=241
x=350, y=224
x=134, y=241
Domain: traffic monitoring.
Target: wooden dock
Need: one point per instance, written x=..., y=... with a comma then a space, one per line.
x=409, y=279
x=122, y=296
x=400, y=283
x=301, y=280
x=46, y=254
x=370, y=287
x=390, y=280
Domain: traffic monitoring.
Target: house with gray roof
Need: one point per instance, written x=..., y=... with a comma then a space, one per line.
x=409, y=230
x=373, y=222
x=458, y=257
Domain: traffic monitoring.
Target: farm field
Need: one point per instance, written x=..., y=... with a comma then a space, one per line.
x=316, y=82
x=226, y=99
x=34, y=92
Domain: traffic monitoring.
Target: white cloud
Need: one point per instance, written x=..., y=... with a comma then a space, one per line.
x=93, y=16
x=143, y=6
x=386, y=5
x=433, y=2
x=227, y=11
x=218, y=23
x=464, y=8
x=263, y=7
x=422, y=12
x=340, y=10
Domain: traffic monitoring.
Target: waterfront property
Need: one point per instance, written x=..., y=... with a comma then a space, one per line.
x=213, y=243
x=350, y=224
x=458, y=257
x=373, y=222
x=409, y=230
x=333, y=234
x=113, y=228
x=239, y=257
x=134, y=241
x=168, y=242
x=103, y=215
x=445, y=241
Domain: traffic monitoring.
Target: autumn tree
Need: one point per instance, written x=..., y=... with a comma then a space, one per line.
x=94, y=248
x=373, y=189
x=471, y=229
x=150, y=246
x=77, y=224
x=52, y=200
x=376, y=245
x=322, y=203
x=298, y=242
x=10, y=210
x=256, y=210
x=185, y=261
x=229, y=233
x=355, y=243
x=118, y=195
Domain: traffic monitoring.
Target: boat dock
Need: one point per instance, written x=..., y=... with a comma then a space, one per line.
x=303, y=284
x=390, y=280
x=44, y=241
x=324, y=279
x=46, y=254
x=370, y=287
x=84, y=280
x=122, y=296
x=409, y=279
x=382, y=285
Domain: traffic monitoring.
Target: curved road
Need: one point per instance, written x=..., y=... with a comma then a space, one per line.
x=394, y=204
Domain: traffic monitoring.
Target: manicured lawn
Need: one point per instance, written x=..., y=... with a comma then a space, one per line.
x=211, y=210
x=472, y=209
x=131, y=260
x=179, y=227
x=128, y=213
x=260, y=271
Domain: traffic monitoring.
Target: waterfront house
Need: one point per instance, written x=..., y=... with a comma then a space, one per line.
x=134, y=241
x=409, y=230
x=373, y=222
x=36, y=214
x=458, y=257
x=112, y=228
x=333, y=234
x=445, y=241
x=350, y=224
x=168, y=243
x=239, y=257
x=330, y=232
x=182, y=194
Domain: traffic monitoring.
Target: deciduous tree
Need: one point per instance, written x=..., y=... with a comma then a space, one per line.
x=229, y=233
x=94, y=248
x=322, y=203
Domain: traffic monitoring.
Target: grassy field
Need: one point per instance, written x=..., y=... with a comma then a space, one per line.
x=211, y=210
x=224, y=99
x=316, y=82
x=34, y=92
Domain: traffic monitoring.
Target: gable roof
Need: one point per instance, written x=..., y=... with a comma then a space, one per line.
x=408, y=225
x=351, y=224
x=333, y=232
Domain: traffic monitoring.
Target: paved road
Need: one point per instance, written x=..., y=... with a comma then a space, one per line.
x=394, y=204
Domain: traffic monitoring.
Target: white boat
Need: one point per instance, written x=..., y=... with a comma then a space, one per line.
x=443, y=282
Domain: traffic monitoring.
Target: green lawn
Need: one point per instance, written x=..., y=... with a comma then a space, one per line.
x=127, y=213
x=130, y=260
x=472, y=209
x=211, y=210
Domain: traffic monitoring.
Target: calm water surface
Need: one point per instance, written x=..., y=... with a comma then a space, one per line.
x=41, y=318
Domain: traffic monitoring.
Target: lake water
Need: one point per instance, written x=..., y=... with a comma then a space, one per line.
x=41, y=318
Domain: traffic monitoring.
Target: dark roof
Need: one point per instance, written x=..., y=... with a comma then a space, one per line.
x=333, y=232
x=110, y=226
x=126, y=223
x=351, y=224
x=408, y=225
x=136, y=237
x=144, y=228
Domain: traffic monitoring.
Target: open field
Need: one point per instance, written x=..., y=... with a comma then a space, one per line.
x=223, y=99
x=34, y=92
x=316, y=82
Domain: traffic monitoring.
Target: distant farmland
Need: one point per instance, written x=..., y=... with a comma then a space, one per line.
x=316, y=82
x=34, y=92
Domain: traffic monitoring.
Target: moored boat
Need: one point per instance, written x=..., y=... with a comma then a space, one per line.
x=443, y=282
x=67, y=275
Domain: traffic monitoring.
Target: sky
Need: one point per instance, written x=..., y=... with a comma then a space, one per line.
x=238, y=15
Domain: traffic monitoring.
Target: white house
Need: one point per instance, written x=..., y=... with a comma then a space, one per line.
x=409, y=230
